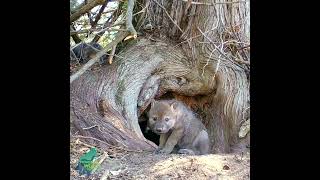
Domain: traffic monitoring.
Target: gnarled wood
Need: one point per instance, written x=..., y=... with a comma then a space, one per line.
x=206, y=67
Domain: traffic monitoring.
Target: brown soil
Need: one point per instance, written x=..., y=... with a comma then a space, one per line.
x=132, y=165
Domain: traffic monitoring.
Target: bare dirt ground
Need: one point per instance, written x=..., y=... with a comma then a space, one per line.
x=121, y=164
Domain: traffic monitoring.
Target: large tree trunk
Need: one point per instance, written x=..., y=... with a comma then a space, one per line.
x=201, y=60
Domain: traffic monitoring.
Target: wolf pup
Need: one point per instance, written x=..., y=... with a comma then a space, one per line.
x=178, y=128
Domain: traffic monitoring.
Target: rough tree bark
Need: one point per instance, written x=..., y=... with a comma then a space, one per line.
x=196, y=52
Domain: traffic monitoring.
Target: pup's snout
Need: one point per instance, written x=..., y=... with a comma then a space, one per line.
x=159, y=130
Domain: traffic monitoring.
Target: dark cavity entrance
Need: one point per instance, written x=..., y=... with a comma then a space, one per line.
x=148, y=134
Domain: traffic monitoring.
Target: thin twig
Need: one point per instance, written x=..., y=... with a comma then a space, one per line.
x=207, y=62
x=142, y=11
x=241, y=61
x=214, y=44
x=112, y=54
x=87, y=137
x=107, y=23
x=86, y=128
x=84, y=9
x=218, y=63
x=213, y=28
x=75, y=37
x=109, y=11
x=217, y=67
x=80, y=142
x=110, y=29
x=215, y=3
x=235, y=41
x=187, y=40
x=164, y=9
x=89, y=17
x=98, y=16
x=74, y=56
x=233, y=63
x=100, y=30
x=74, y=46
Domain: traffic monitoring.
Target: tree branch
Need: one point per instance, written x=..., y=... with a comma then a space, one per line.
x=112, y=54
x=219, y=50
x=98, y=29
x=164, y=9
x=75, y=36
x=110, y=20
x=118, y=38
x=89, y=17
x=97, y=18
x=212, y=4
x=84, y=9
x=129, y=25
x=78, y=7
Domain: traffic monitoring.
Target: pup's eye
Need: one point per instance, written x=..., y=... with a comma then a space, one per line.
x=166, y=119
x=154, y=118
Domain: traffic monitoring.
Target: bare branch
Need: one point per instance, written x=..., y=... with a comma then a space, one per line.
x=112, y=54
x=142, y=17
x=207, y=63
x=74, y=46
x=217, y=67
x=75, y=37
x=90, y=18
x=90, y=127
x=240, y=60
x=216, y=3
x=109, y=11
x=129, y=25
x=84, y=9
x=164, y=9
x=97, y=18
x=103, y=142
x=119, y=37
x=187, y=40
x=214, y=45
x=108, y=23
x=98, y=29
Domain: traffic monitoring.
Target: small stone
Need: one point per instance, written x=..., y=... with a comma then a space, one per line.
x=225, y=167
x=115, y=173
